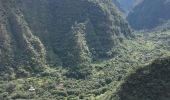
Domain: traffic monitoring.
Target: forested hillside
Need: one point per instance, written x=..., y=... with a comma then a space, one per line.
x=148, y=83
x=149, y=14
x=39, y=33
x=84, y=50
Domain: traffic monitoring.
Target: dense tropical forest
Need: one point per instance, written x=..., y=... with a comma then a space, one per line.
x=84, y=50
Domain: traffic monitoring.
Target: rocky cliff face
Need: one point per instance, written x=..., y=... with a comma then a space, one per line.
x=35, y=33
x=149, y=14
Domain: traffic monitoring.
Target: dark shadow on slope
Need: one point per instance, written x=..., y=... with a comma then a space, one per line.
x=149, y=83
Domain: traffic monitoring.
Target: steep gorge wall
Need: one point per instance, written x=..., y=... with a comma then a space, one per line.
x=58, y=33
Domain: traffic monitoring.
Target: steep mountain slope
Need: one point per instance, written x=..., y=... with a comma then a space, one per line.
x=149, y=14
x=78, y=50
x=117, y=4
x=19, y=47
x=66, y=33
x=128, y=5
x=149, y=83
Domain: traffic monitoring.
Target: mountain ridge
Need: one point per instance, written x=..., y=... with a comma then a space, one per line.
x=145, y=17
x=42, y=36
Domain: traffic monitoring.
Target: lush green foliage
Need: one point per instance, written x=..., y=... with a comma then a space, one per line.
x=107, y=75
x=71, y=34
x=148, y=83
x=72, y=49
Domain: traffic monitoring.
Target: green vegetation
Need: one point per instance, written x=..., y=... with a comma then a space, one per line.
x=76, y=49
x=106, y=78
x=72, y=34
x=148, y=83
